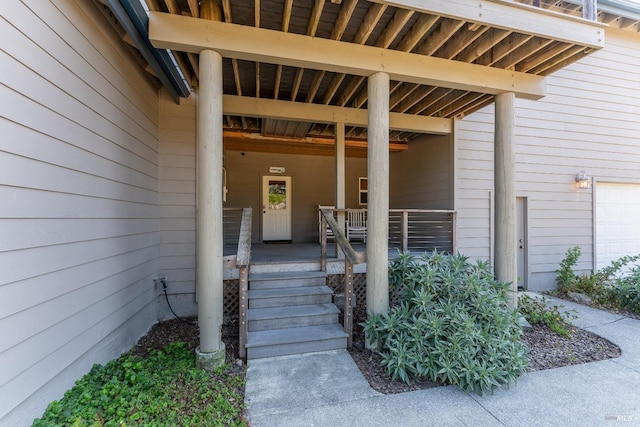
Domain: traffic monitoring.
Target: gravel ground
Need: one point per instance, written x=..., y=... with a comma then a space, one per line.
x=621, y=312
x=547, y=350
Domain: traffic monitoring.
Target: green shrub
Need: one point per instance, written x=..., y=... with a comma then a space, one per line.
x=539, y=310
x=565, y=275
x=164, y=389
x=602, y=284
x=608, y=286
x=452, y=324
x=626, y=290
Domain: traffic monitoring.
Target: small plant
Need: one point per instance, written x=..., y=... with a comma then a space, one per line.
x=565, y=275
x=609, y=286
x=164, y=389
x=540, y=310
x=451, y=324
x=626, y=291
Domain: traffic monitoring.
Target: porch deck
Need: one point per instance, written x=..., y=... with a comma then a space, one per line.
x=295, y=256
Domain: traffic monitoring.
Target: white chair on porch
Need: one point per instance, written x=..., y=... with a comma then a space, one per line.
x=330, y=236
x=357, y=224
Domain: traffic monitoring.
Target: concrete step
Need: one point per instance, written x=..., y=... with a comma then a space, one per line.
x=307, y=339
x=279, y=297
x=289, y=279
x=261, y=319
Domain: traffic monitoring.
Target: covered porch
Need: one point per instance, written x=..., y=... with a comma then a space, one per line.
x=356, y=79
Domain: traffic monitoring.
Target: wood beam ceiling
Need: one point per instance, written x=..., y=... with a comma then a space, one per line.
x=316, y=113
x=255, y=138
x=188, y=34
x=509, y=15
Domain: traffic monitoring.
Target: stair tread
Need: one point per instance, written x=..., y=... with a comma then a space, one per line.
x=254, y=277
x=295, y=335
x=289, y=292
x=291, y=311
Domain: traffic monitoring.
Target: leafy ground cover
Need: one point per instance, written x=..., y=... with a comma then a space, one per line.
x=153, y=387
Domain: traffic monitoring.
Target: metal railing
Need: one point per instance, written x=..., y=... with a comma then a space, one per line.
x=422, y=230
x=232, y=220
x=588, y=8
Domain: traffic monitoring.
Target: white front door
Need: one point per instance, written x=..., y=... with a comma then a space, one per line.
x=276, y=208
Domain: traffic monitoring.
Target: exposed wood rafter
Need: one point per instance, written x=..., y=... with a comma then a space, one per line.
x=318, y=113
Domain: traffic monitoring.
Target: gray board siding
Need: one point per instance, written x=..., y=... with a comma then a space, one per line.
x=588, y=121
x=78, y=200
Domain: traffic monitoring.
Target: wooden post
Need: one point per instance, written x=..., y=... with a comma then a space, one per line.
x=378, y=194
x=209, y=211
x=348, y=301
x=243, y=260
x=404, y=226
x=505, y=199
x=340, y=199
x=323, y=243
x=244, y=310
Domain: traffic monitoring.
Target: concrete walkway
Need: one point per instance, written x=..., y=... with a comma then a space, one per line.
x=327, y=389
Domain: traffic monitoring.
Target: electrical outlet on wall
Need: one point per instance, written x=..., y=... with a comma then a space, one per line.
x=161, y=283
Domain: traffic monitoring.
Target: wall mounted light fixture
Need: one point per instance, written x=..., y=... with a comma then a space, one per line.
x=583, y=181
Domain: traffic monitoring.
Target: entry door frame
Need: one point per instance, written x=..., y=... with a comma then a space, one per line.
x=522, y=239
x=285, y=235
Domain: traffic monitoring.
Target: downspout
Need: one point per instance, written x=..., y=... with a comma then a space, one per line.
x=135, y=22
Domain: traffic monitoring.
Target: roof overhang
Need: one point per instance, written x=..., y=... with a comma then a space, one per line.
x=299, y=60
x=134, y=20
x=168, y=31
x=510, y=15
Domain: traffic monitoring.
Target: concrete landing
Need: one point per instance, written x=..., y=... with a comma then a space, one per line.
x=327, y=389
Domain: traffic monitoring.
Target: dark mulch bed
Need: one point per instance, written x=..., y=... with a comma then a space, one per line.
x=621, y=311
x=547, y=350
x=187, y=331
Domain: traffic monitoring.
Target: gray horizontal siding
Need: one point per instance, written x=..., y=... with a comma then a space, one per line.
x=79, y=239
x=588, y=121
x=420, y=178
x=177, y=200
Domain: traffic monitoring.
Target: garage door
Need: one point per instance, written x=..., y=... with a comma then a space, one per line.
x=617, y=221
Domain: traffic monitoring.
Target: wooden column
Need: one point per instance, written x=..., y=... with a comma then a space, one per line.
x=340, y=198
x=505, y=199
x=378, y=194
x=209, y=203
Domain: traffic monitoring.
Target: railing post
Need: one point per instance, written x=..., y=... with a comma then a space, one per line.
x=244, y=322
x=323, y=244
x=348, y=301
x=243, y=260
x=453, y=232
x=590, y=10
x=404, y=226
